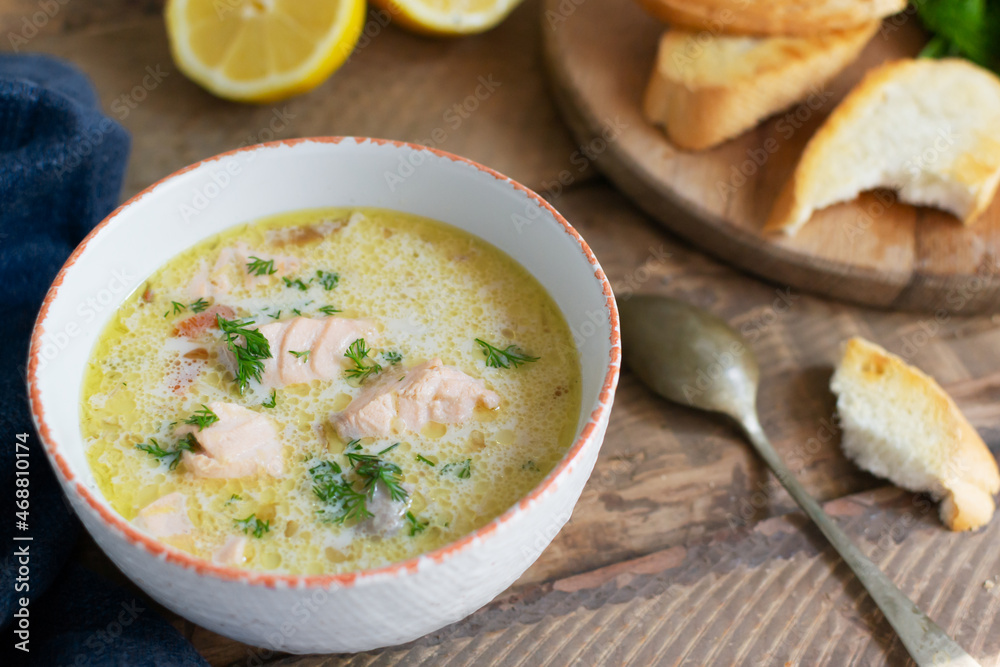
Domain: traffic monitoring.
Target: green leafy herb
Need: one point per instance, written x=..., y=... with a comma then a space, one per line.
x=425, y=460
x=363, y=366
x=202, y=418
x=252, y=524
x=249, y=355
x=341, y=502
x=328, y=310
x=199, y=305
x=327, y=279
x=969, y=28
x=169, y=456
x=273, y=401
x=372, y=470
x=512, y=355
x=297, y=282
x=303, y=356
x=392, y=357
x=233, y=498
x=176, y=307
x=258, y=267
x=297, y=312
x=462, y=469
x=416, y=526
x=275, y=316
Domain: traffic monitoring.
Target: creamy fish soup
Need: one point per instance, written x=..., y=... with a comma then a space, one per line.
x=329, y=390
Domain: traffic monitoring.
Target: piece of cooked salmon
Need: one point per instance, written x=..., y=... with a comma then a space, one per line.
x=325, y=339
x=406, y=399
x=165, y=517
x=241, y=444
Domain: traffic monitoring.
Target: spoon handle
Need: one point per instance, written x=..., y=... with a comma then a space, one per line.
x=926, y=642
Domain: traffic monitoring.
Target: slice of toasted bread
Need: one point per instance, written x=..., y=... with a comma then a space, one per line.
x=899, y=424
x=929, y=129
x=705, y=90
x=778, y=17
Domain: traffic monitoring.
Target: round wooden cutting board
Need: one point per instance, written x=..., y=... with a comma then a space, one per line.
x=874, y=251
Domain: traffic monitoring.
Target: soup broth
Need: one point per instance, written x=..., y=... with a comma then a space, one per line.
x=459, y=391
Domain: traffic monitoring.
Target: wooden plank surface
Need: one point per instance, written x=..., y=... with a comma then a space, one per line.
x=874, y=250
x=682, y=549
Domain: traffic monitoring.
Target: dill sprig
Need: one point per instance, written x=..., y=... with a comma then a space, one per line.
x=169, y=456
x=512, y=355
x=372, y=469
x=302, y=356
x=461, y=469
x=295, y=282
x=258, y=267
x=252, y=524
x=392, y=357
x=423, y=459
x=199, y=305
x=328, y=310
x=328, y=279
x=202, y=418
x=416, y=525
x=341, y=502
x=249, y=355
x=271, y=402
x=363, y=366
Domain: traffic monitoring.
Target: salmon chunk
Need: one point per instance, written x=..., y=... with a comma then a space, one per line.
x=324, y=339
x=241, y=444
x=232, y=552
x=218, y=280
x=194, y=326
x=405, y=400
x=165, y=517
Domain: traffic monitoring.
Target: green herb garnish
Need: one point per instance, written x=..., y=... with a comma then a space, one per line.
x=416, y=526
x=273, y=401
x=328, y=310
x=249, y=355
x=169, y=456
x=969, y=28
x=303, y=356
x=199, y=305
x=327, y=279
x=462, y=469
x=372, y=470
x=177, y=307
x=202, y=418
x=252, y=524
x=297, y=282
x=392, y=357
x=512, y=355
x=425, y=460
x=341, y=502
x=363, y=366
x=258, y=267
x=233, y=498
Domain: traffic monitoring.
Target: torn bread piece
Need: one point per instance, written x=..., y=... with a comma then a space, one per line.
x=779, y=17
x=929, y=129
x=706, y=89
x=899, y=424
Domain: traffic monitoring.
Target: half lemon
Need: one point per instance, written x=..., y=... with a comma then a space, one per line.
x=262, y=50
x=448, y=17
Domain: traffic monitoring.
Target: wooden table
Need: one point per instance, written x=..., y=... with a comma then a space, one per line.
x=682, y=550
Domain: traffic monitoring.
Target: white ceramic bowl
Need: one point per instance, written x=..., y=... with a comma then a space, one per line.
x=359, y=610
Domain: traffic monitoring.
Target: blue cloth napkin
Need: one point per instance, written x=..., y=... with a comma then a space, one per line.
x=61, y=168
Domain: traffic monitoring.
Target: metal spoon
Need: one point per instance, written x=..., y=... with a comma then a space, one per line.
x=693, y=358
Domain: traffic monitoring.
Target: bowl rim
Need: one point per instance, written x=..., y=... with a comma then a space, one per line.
x=204, y=566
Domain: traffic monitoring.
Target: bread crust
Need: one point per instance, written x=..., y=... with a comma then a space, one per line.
x=705, y=91
x=794, y=207
x=970, y=477
x=784, y=17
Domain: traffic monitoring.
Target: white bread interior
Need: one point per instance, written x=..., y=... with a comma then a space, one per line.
x=929, y=129
x=706, y=89
x=899, y=424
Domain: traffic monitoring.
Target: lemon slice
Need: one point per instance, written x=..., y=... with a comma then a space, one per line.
x=448, y=17
x=262, y=50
